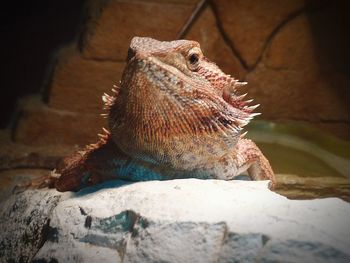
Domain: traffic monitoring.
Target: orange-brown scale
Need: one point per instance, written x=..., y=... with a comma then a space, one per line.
x=175, y=114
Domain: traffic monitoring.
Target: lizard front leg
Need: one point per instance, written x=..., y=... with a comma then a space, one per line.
x=89, y=166
x=248, y=157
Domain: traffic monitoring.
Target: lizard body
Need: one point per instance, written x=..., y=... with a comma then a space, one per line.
x=175, y=115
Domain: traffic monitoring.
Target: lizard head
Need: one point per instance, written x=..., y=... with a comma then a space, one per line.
x=171, y=95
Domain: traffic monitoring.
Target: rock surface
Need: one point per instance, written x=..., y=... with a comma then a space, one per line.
x=301, y=75
x=41, y=125
x=112, y=24
x=187, y=220
x=77, y=83
x=24, y=221
x=240, y=18
x=292, y=54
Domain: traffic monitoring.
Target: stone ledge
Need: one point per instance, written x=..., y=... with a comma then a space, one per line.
x=77, y=84
x=41, y=125
x=189, y=220
x=112, y=25
x=249, y=24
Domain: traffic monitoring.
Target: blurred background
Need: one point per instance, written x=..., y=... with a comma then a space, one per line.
x=58, y=57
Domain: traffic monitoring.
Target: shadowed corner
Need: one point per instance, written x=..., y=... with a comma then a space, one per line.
x=118, y=183
x=105, y=185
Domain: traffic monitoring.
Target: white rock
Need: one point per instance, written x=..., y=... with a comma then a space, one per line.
x=24, y=220
x=193, y=220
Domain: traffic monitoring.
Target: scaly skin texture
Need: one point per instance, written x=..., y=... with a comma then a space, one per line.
x=175, y=115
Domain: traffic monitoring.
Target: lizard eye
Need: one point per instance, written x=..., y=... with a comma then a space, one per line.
x=193, y=59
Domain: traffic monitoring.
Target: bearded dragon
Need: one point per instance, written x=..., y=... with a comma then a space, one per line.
x=175, y=114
